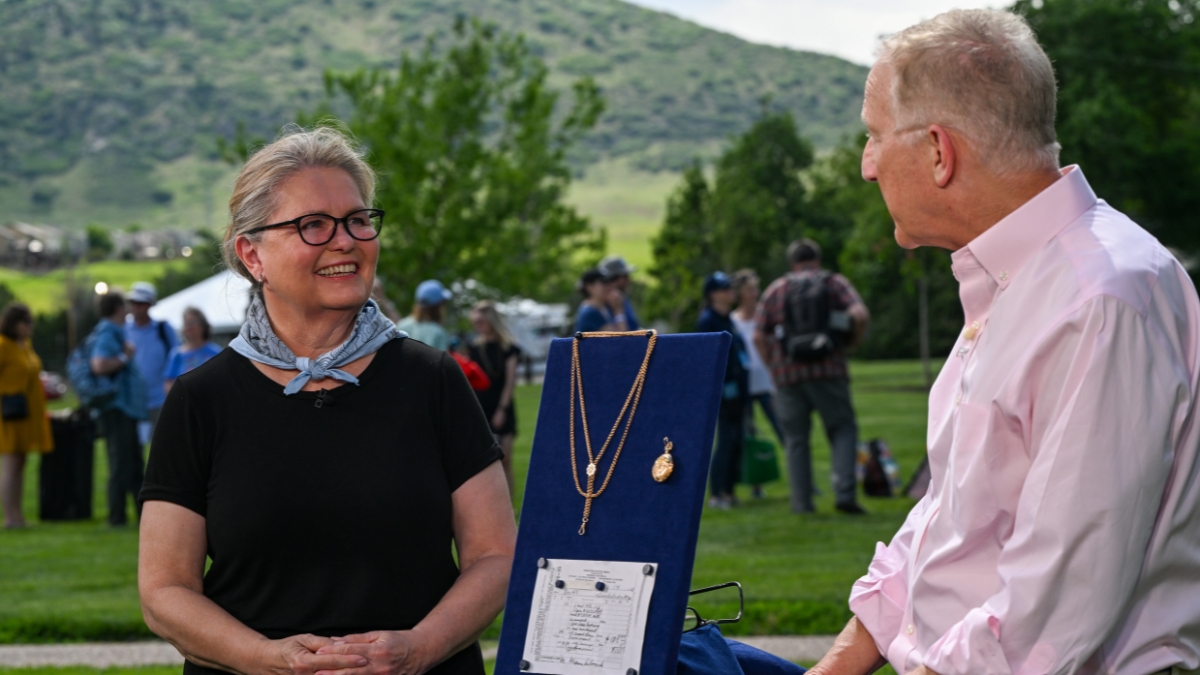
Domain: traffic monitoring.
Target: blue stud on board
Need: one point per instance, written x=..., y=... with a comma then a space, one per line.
x=525, y=665
x=560, y=584
x=647, y=569
x=600, y=585
x=543, y=563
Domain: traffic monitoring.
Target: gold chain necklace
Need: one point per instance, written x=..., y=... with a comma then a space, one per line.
x=635, y=395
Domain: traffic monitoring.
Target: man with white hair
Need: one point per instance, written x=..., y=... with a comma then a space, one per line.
x=1061, y=531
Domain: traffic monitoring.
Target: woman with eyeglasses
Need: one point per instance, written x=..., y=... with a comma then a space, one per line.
x=325, y=464
x=24, y=427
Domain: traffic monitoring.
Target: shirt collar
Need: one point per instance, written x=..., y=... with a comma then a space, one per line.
x=1003, y=248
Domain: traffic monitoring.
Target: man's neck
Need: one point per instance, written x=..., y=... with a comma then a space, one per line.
x=998, y=198
x=142, y=323
x=807, y=266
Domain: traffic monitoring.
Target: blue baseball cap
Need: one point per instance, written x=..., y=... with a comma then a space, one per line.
x=432, y=292
x=716, y=281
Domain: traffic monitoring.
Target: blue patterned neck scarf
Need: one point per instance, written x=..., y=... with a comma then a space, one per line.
x=258, y=342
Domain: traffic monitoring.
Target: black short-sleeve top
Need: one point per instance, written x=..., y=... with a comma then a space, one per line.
x=326, y=512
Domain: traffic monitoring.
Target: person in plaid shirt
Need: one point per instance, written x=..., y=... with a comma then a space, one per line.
x=822, y=385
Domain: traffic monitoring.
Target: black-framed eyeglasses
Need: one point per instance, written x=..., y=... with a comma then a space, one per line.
x=317, y=229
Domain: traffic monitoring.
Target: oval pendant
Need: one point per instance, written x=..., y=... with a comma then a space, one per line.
x=591, y=470
x=663, y=466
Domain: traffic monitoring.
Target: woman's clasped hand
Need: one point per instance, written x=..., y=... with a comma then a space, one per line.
x=301, y=655
x=386, y=652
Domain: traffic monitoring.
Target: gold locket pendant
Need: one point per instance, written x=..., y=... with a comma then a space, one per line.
x=665, y=464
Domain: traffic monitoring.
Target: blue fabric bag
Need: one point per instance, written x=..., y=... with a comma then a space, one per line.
x=705, y=651
x=755, y=661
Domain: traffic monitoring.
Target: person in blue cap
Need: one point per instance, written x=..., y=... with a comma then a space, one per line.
x=726, y=461
x=425, y=322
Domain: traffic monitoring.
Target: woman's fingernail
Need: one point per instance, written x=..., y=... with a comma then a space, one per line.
x=362, y=662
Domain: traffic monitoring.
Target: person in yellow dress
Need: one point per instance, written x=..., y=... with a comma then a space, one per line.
x=24, y=427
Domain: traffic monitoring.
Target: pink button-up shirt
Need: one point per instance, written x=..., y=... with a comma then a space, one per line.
x=1061, y=531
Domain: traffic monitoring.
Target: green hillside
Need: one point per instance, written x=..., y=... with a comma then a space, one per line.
x=110, y=107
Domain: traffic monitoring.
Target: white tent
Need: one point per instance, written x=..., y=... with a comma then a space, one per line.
x=223, y=299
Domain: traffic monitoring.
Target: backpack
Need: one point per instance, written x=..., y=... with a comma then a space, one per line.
x=879, y=473
x=806, y=310
x=162, y=337
x=94, y=390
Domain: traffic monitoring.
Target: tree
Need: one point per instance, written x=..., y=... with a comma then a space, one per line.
x=683, y=251
x=758, y=204
x=470, y=147
x=204, y=262
x=99, y=242
x=754, y=209
x=1128, y=113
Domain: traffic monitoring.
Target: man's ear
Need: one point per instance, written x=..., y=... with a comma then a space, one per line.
x=942, y=153
x=247, y=252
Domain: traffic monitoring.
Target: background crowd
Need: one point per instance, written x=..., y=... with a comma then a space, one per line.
x=144, y=357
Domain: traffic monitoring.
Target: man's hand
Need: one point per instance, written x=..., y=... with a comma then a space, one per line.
x=498, y=418
x=386, y=653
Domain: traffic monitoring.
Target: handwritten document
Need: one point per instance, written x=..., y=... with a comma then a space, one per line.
x=588, y=617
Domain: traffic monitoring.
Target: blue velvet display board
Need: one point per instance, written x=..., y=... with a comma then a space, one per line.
x=636, y=519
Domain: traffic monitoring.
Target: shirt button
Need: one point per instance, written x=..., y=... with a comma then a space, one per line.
x=1004, y=276
x=971, y=331
x=911, y=629
x=958, y=399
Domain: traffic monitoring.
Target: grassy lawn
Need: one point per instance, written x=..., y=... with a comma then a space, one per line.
x=77, y=581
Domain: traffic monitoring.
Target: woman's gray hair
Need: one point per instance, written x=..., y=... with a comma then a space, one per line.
x=983, y=73
x=254, y=191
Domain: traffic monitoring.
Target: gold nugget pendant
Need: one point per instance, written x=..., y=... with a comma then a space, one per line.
x=665, y=464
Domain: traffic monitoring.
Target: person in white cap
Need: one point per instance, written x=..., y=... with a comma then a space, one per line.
x=425, y=322
x=153, y=341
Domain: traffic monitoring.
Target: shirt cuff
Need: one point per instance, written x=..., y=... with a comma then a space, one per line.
x=878, y=599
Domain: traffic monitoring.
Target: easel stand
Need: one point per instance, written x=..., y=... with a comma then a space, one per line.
x=636, y=519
